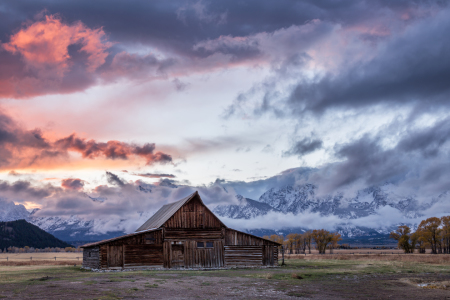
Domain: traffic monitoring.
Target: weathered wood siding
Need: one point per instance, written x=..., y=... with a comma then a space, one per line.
x=91, y=258
x=143, y=255
x=186, y=254
x=243, y=256
x=145, y=249
x=186, y=234
x=270, y=255
x=193, y=215
x=115, y=256
x=104, y=256
x=240, y=242
x=237, y=238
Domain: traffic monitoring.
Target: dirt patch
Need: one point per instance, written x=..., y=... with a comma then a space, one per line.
x=299, y=280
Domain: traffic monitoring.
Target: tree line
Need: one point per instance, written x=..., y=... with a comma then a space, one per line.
x=296, y=243
x=432, y=233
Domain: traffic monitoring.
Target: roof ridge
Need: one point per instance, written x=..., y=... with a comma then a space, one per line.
x=165, y=212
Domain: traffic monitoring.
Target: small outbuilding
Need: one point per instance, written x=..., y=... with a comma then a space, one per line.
x=183, y=234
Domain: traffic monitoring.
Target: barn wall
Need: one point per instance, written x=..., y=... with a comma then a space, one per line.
x=91, y=258
x=242, y=249
x=243, y=256
x=145, y=249
x=143, y=255
x=237, y=238
x=184, y=253
x=193, y=215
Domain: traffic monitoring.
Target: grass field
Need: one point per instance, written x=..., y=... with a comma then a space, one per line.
x=310, y=278
x=24, y=259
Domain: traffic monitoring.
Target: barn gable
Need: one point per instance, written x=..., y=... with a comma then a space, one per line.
x=189, y=212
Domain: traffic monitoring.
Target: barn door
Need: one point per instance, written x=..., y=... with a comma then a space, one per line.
x=177, y=256
x=115, y=256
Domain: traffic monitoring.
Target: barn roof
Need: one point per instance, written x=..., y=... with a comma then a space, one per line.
x=118, y=238
x=164, y=213
x=168, y=210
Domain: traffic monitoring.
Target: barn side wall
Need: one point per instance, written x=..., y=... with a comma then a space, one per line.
x=141, y=250
x=91, y=258
x=242, y=250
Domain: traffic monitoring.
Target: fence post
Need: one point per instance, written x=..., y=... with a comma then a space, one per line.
x=7, y=258
x=55, y=258
x=31, y=258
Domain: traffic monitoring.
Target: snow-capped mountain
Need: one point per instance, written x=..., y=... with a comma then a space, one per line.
x=9, y=211
x=302, y=199
x=293, y=200
x=298, y=199
x=246, y=209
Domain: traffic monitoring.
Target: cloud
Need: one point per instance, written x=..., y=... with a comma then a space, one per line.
x=45, y=43
x=24, y=189
x=75, y=184
x=22, y=148
x=54, y=57
x=111, y=149
x=304, y=146
x=114, y=179
x=154, y=175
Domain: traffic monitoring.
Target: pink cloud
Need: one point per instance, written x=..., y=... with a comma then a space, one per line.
x=45, y=44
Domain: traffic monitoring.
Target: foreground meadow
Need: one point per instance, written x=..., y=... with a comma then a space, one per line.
x=307, y=278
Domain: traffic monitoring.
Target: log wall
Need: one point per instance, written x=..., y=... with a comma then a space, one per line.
x=243, y=256
x=91, y=258
x=237, y=238
x=145, y=249
x=143, y=255
x=254, y=250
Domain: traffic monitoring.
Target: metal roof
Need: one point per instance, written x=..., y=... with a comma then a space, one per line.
x=164, y=213
x=118, y=238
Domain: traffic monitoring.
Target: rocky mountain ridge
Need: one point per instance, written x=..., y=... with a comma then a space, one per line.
x=296, y=200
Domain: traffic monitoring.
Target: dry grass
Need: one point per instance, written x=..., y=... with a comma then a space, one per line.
x=41, y=263
x=47, y=258
x=42, y=255
x=417, y=258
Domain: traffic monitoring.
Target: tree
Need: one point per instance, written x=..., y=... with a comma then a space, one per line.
x=336, y=237
x=446, y=233
x=290, y=242
x=430, y=231
x=406, y=240
x=322, y=238
x=307, y=236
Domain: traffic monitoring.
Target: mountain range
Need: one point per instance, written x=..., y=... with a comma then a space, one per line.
x=297, y=201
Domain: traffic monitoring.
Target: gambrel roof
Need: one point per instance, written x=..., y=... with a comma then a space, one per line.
x=167, y=211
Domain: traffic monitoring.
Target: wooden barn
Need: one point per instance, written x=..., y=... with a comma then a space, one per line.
x=183, y=234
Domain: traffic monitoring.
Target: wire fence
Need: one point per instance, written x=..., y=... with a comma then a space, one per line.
x=41, y=258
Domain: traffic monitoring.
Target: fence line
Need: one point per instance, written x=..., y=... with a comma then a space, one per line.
x=39, y=258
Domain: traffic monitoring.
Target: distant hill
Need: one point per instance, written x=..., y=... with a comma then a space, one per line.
x=20, y=233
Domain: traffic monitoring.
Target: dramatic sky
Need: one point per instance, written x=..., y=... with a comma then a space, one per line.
x=99, y=97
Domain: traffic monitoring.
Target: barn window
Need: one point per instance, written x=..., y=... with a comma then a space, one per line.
x=209, y=245
x=200, y=244
x=150, y=238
